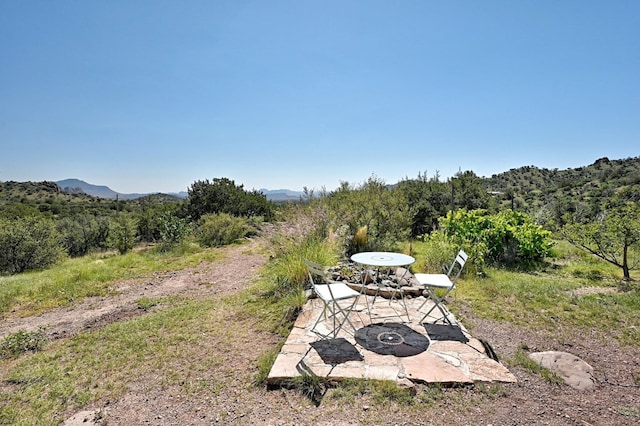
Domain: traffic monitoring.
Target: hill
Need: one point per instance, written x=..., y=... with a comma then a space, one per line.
x=74, y=186
x=532, y=188
x=527, y=188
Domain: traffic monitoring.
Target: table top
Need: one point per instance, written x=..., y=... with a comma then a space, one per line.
x=382, y=258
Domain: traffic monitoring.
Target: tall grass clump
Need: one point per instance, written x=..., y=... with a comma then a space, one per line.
x=284, y=279
x=287, y=272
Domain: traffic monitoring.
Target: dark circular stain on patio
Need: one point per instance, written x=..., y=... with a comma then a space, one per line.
x=392, y=339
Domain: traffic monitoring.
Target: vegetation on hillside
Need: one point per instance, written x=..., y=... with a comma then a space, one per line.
x=39, y=222
x=371, y=216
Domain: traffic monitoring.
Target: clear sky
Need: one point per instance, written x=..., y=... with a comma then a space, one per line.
x=148, y=96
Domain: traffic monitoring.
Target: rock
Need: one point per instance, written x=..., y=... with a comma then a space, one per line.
x=573, y=370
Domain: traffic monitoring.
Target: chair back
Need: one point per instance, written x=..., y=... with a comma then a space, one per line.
x=317, y=270
x=456, y=267
x=320, y=271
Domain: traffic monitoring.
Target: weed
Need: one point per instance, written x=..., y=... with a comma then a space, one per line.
x=492, y=391
x=147, y=303
x=311, y=386
x=431, y=394
x=385, y=390
x=633, y=412
x=22, y=341
x=265, y=362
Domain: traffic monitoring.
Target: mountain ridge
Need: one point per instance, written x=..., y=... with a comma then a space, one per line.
x=74, y=185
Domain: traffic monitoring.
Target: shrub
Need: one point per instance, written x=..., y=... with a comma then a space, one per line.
x=173, y=230
x=507, y=237
x=122, y=235
x=28, y=243
x=224, y=196
x=221, y=229
x=82, y=233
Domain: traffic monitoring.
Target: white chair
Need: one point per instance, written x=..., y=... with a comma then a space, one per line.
x=331, y=293
x=447, y=282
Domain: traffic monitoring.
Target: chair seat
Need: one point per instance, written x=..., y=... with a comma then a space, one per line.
x=434, y=280
x=340, y=291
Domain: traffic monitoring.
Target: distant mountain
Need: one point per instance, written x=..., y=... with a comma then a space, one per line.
x=75, y=186
x=281, y=194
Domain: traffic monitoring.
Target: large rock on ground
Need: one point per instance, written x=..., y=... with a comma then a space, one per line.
x=573, y=370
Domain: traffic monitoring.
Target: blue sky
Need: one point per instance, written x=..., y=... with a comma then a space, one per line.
x=147, y=96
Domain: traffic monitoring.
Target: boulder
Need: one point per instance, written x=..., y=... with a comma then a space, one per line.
x=573, y=370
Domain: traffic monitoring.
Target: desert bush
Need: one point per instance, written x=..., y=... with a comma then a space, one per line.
x=173, y=230
x=28, y=243
x=224, y=196
x=218, y=229
x=82, y=233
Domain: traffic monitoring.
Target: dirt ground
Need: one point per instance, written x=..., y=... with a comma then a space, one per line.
x=615, y=400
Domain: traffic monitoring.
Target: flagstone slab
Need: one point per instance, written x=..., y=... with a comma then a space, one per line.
x=444, y=361
x=430, y=368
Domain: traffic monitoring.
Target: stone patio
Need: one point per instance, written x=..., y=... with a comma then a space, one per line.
x=455, y=359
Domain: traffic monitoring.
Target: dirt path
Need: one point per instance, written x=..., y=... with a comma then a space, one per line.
x=230, y=273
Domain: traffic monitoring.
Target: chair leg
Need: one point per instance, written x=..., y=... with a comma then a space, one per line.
x=443, y=311
x=322, y=314
x=437, y=303
x=334, y=310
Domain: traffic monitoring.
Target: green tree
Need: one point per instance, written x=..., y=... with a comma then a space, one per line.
x=611, y=236
x=82, y=233
x=428, y=200
x=122, y=235
x=468, y=191
x=173, y=230
x=224, y=196
x=152, y=215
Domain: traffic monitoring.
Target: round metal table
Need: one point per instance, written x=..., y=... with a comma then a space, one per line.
x=383, y=259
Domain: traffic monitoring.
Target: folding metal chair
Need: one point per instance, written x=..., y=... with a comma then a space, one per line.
x=331, y=293
x=447, y=282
